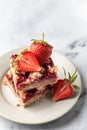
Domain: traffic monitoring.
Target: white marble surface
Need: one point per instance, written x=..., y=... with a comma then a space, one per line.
x=64, y=23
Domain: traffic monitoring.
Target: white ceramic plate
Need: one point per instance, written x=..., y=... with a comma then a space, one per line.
x=40, y=112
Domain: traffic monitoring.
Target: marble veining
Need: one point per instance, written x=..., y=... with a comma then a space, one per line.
x=65, y=26
x=71, y=54
x=76, y=44
x=76, y=48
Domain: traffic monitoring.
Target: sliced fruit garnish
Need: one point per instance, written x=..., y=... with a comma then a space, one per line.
x=28, y=62
x=63, y=89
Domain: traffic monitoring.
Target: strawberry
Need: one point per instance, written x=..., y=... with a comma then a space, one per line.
x=63, y=89
x=41, y=49
x=28, y=62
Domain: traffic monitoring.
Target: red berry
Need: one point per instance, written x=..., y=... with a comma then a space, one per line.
x=41, y=50
x=28, y=62
x=62, y=90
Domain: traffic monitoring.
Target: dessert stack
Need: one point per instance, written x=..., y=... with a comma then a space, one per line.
x=32, y=73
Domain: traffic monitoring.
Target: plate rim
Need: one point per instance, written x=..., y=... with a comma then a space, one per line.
x=34, y=123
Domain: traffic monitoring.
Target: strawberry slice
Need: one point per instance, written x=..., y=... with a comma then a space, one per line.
x=28, y=62
x=62, y=90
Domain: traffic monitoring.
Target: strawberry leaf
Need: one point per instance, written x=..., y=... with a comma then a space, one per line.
x=64, y=72
x=73, y=79
x=74, y=73
x=24, y=50
x=43, y=37
x=37, y=41
x=76, y=87
x=17, y=58
x=41, y=41
x=69, y=76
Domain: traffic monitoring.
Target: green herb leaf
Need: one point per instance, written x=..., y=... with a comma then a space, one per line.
x=76, y=87
x=74, y=73
x=64, y=72
x=36, y=41
x=69, y=76
x=43, y=37
x=24, y=50
x=16, y=59
x=19, y=56
x=73, y=79
x=41, y=41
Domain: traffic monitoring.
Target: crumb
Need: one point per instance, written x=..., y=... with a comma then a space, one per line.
x=53, y=69
x=3, y=82
x=18, y=105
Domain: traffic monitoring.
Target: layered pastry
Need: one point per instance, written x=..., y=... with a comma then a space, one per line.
x=32, y=73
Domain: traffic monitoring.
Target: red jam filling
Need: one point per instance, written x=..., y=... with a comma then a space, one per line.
x=26, y=79
x=30, y=93
x=34, y=92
